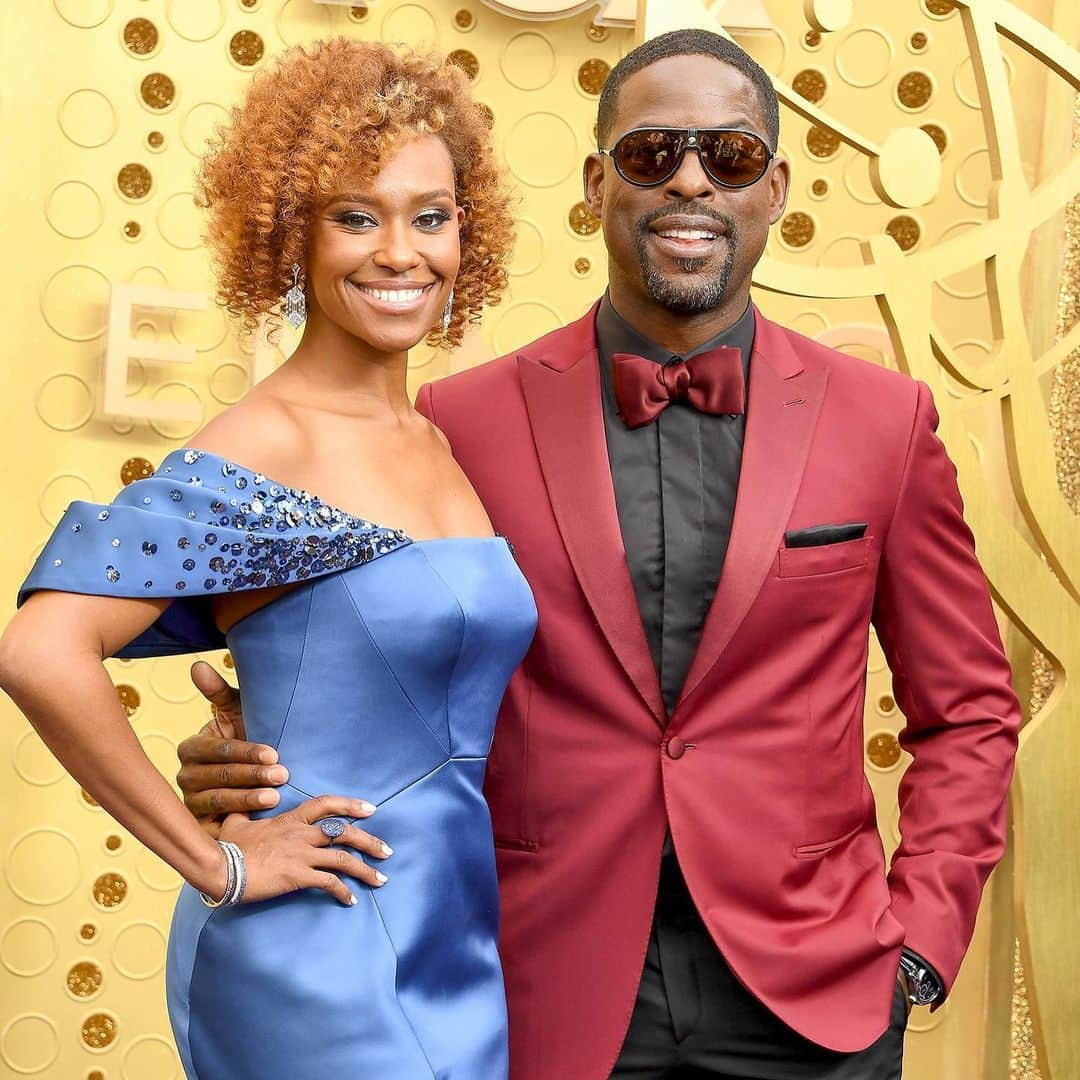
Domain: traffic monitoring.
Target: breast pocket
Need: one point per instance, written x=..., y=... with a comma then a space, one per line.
x=824, y=558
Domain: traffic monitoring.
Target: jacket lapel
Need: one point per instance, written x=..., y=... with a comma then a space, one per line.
x=560, y=377
x=783, y=404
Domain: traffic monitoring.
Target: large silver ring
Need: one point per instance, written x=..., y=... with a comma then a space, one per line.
x=332, y=827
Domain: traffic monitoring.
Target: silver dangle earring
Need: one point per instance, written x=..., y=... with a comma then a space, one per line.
x=448, y=311
x=294, y=308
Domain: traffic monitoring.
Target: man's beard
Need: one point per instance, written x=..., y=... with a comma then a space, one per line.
x=684, y=297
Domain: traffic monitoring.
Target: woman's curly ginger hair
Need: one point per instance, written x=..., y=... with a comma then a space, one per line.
x=337, y=106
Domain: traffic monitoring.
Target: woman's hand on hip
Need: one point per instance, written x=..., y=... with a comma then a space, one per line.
x=288, y=852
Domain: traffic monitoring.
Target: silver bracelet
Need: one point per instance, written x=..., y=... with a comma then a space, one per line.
x=236, y=877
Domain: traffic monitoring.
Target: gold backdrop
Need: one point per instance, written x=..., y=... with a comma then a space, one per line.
x=930, y=228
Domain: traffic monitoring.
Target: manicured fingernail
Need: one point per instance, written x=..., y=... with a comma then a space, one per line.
x=367, y=808
x=268, y=757
x=352, y=901
x=277, y=775
x=267, y=798
x=387, y=849
x=380, y=877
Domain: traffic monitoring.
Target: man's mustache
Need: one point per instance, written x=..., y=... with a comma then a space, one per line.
x=694, y=209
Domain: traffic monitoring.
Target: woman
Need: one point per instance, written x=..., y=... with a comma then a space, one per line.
x=361, y=184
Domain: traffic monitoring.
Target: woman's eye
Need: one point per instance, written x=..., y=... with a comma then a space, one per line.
x=432, y=219
x=356, y=220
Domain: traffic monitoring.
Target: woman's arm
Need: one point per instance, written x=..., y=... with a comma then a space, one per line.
x=51, y=665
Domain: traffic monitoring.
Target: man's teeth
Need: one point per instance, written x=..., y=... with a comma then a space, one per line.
x=687, y=234
x=393, y=296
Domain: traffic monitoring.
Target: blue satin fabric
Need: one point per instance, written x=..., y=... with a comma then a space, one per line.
x=378, y=677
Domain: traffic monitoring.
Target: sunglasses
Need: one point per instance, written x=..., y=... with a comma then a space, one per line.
x=646, y=157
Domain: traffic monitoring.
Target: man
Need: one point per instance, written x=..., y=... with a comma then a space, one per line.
x=692, y=880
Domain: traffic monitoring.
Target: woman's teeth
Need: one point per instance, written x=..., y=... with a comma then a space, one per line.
x=394, y=296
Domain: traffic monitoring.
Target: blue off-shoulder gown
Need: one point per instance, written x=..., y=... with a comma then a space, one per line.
x=379, y=676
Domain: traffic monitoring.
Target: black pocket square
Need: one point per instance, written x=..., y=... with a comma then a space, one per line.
x=816, y=535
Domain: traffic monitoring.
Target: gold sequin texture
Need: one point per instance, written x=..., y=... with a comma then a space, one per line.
x=99, y=1030
x=810, y=84
x=248, y=3
x=813, y=38
x=582, y=220
x=937, y=133
x=157, y=91
x=883, y=750
x=582, y=265
x=464, y=19
x=489, y=116
x=88, y=931
x=155, y=140
x=84, y=979
x=112, y=843
x=358, y=12
x=1023, y=1055
x=132, y=230
x=915, y=89
x=592, y=74
x=135, y=468
x=110, y=890
x=129, y=697
x=227, y=660
x=821, y=142
x=88, y=798
x=140, y=37
x=246, y=48
x=919, y=40
x=886, y=703
x=905, y=230
x=940, y=7
x=820, y=187
x=596, y=32
x=95, y=1074
x=134, y=181
x=797, y=229
x=465, y=60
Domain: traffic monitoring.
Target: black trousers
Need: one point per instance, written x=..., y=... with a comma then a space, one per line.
x=694, y=1020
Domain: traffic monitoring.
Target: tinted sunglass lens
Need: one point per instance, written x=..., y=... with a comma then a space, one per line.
x=734, y=158
x=648, y=157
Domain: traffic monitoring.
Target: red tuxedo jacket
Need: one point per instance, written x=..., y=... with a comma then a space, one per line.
x=759, y=770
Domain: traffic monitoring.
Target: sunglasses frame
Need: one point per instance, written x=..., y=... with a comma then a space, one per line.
x=691, y=143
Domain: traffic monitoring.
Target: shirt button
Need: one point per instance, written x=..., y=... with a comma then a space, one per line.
x=675, y=748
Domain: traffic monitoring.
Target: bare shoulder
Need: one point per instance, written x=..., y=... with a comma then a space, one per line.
x=259, y=432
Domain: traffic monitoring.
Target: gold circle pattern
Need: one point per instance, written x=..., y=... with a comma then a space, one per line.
x=135, y=468
x=820, y=187
x=88, y=798
x=99, y=1030
x=84, y=979
x=582, y=220
x=596, y=32
x=132, y=230
x=110, y=890
x=582, y=265
x=464, y=19
x=141, y=37
x=940, y=8
x=915, y=89
x=134, y=181
x=112, y=843
x=592, y=75
x=129, y=698
x=810, y=84
x=937, y=133
x=883, y=750
x=905, y=230
x=155, y=140
x=465, y=60
x=797, y=229
x=822, y=142
x=88, y=931
x=246, y=48
x=157, y=91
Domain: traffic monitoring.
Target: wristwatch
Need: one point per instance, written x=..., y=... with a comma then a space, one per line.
x=925, y=987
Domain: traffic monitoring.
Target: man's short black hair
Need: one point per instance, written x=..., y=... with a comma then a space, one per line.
x=688, y=43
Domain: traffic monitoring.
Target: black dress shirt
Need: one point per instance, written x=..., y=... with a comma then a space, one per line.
x=675, y=482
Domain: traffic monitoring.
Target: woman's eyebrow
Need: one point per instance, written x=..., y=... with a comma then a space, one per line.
x=360, y=197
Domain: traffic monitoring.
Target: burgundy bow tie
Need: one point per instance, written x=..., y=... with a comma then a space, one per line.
x=711, y=382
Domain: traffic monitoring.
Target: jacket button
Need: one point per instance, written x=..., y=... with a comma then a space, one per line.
x=675, y=748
